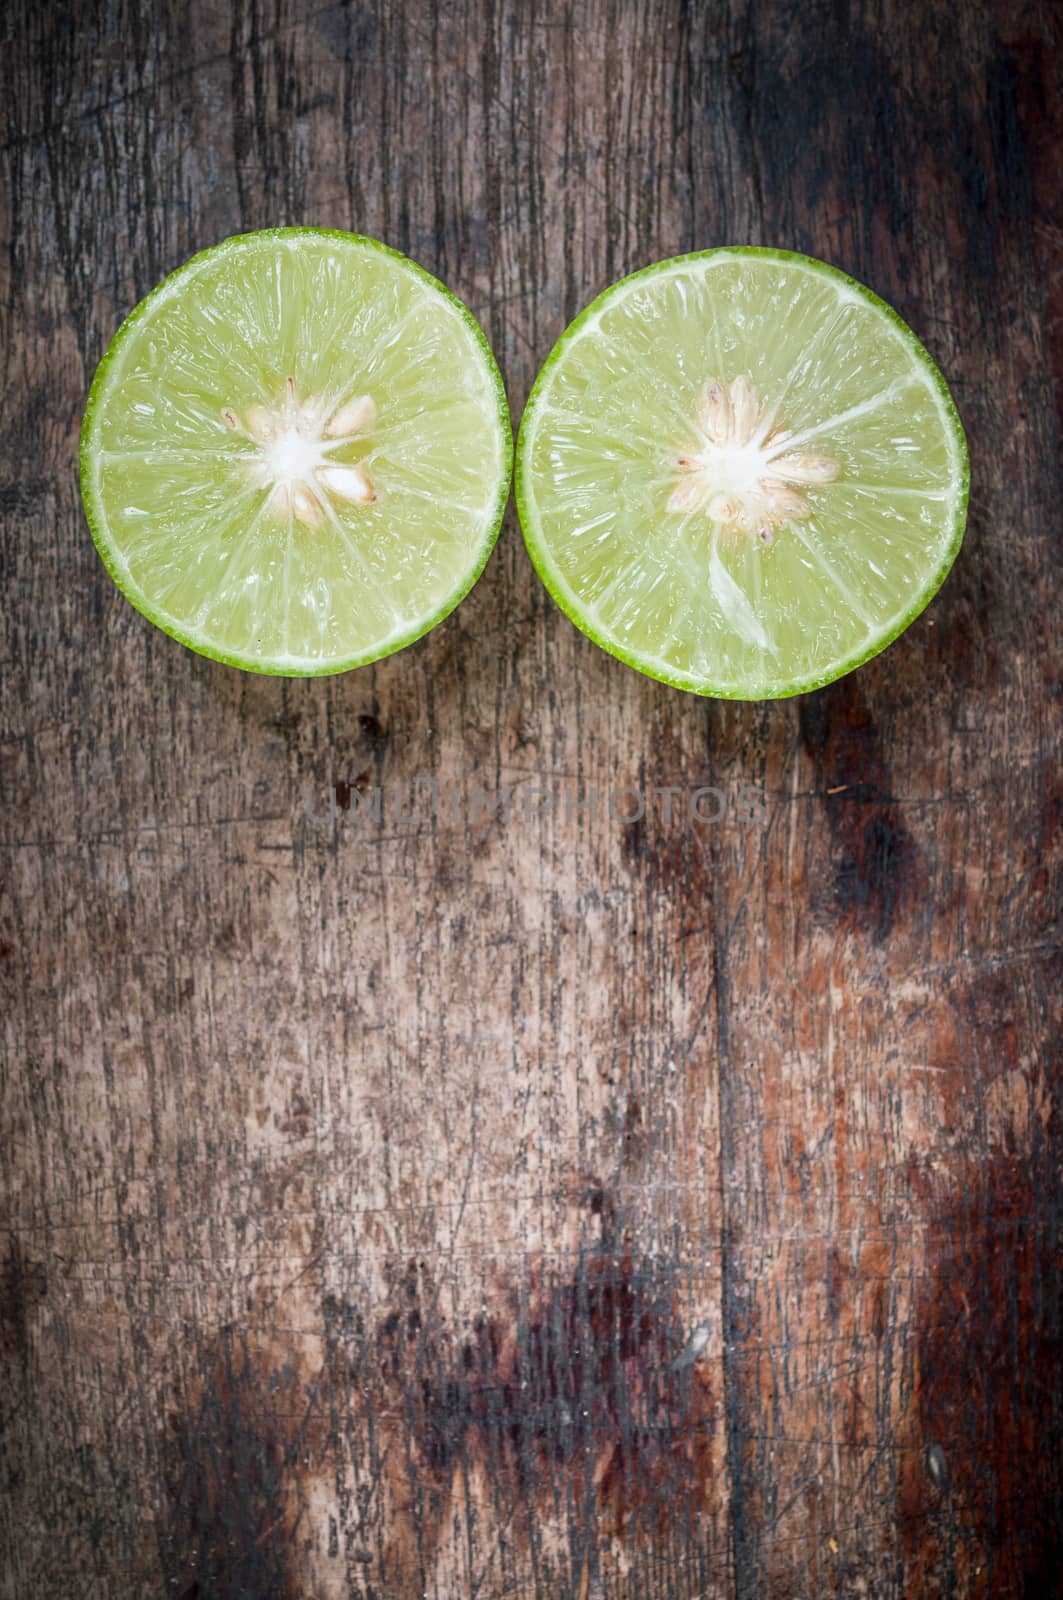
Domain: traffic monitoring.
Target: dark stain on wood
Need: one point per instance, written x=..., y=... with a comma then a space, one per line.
x=576, y=1394
x=873, y=856
x=23, y=1287
x=374, y=735
x=981, y=1504
x=1039, y=111
x=565, y=1397
x=226, y=1459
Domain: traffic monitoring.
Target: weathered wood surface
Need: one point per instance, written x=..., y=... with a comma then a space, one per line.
x=363, y=1183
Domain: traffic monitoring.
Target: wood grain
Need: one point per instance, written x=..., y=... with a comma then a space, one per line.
x=364, y=1182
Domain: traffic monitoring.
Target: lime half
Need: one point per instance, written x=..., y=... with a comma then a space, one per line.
x=296, y=452
x=740, y=472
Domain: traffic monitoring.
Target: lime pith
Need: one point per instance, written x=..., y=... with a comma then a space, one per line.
x=296, y=452
x=740, y=472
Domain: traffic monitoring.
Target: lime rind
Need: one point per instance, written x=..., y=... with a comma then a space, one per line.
x=115, y=563
x=655, y=666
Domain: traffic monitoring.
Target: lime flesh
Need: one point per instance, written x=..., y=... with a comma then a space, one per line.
x=740, y=472
x=296, y=452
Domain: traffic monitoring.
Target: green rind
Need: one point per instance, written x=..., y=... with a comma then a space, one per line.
x=676, y=680
x=97, y=522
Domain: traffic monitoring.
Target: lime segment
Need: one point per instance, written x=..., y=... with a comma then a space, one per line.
x=296, y=452
x=741, y=473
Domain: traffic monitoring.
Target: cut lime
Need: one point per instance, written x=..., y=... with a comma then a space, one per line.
x=740, y=472
x=296, y=452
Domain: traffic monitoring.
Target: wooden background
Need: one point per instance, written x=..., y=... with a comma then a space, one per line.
x=363, y=1184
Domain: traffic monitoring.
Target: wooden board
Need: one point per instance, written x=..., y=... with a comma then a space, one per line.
x=365, y=1183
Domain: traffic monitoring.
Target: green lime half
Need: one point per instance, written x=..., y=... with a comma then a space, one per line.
x=296, y=452
x=740, y=472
